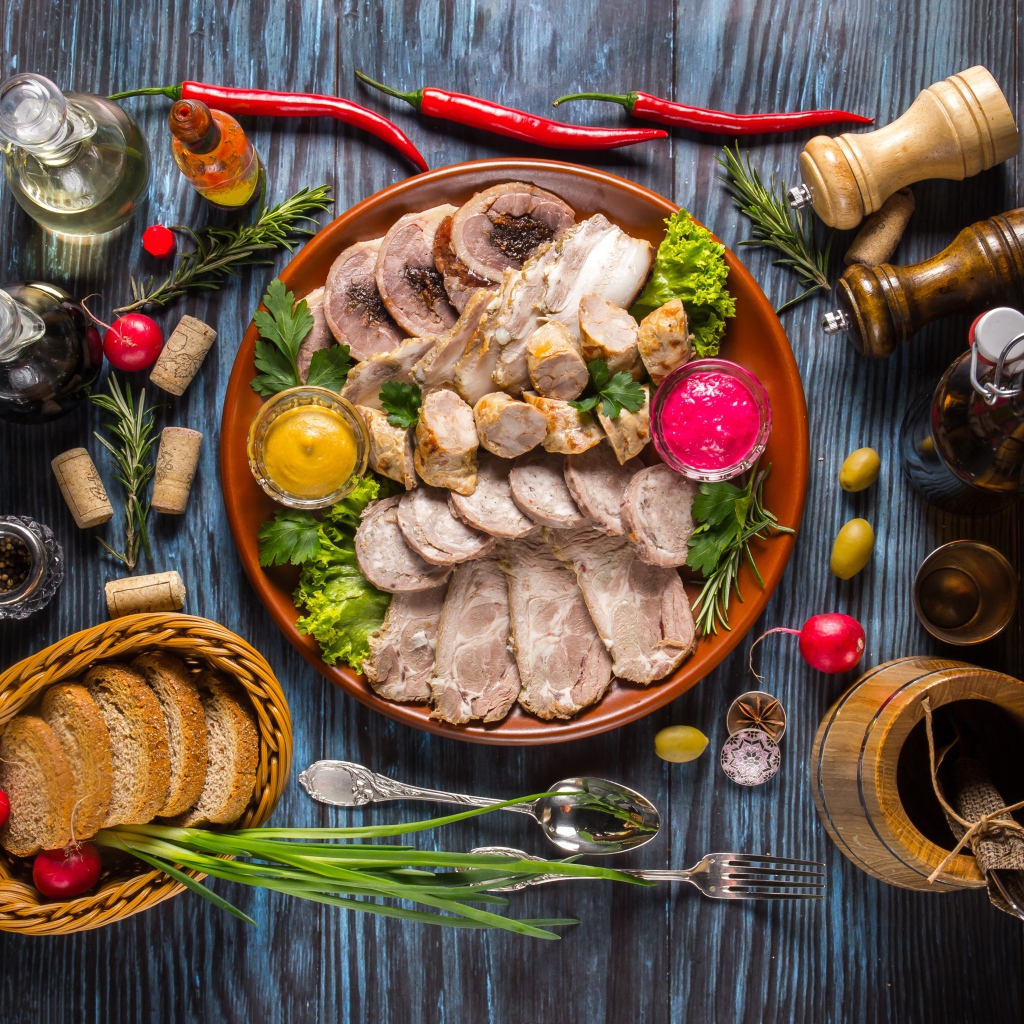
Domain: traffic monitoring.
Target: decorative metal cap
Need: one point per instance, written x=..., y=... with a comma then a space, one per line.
x=750, y=757
x=800, y=197
x=835, y=322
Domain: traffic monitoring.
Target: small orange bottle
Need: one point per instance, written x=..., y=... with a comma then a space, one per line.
x=212, y=151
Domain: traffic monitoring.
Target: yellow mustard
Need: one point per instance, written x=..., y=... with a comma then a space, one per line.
x=309, y=451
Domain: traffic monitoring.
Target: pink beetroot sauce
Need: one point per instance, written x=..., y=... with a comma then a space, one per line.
x=710, y=421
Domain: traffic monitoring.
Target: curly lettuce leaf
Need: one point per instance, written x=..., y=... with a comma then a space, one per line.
x=690, y=266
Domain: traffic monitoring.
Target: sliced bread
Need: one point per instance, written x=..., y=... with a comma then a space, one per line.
x=35, y=775
x=233, y=753
x=69, y=710
x=179, y=700
x=138, y=743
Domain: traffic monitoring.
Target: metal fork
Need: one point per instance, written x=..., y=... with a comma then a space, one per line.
x=722, y=876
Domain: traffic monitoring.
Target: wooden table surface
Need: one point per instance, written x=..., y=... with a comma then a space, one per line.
x=869, y=952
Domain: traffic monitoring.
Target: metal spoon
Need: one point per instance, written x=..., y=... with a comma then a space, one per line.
x=588, y=816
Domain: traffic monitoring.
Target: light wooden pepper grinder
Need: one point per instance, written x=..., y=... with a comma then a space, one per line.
x=881, y=307
x=954, y=129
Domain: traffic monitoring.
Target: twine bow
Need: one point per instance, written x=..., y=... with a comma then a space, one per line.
x=994, y=821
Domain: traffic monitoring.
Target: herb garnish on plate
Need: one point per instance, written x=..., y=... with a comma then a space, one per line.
x=615, y=393
x=401, y=401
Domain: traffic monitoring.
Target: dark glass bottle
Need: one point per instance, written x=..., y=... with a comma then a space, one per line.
x=49, y=352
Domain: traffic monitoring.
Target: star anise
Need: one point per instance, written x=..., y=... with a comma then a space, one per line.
x=759, y=713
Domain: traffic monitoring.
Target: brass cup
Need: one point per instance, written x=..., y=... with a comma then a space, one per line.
x=965, y=592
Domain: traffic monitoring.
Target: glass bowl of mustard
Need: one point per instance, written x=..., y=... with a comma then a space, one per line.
x=308, y=447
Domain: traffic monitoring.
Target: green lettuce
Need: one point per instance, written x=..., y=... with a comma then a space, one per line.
x=690, y=266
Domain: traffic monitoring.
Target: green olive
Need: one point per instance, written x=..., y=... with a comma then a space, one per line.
x=860, y=470
x=852, y=549
x=680, y=743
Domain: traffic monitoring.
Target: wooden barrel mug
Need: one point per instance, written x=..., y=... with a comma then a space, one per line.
x=869, y=768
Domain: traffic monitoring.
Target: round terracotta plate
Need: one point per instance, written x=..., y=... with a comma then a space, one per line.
x=754, y=338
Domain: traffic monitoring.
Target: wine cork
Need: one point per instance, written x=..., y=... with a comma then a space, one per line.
x=182, y=356
x=161, y=592
x=881, y=232
x=176, y=462
x=82, y=488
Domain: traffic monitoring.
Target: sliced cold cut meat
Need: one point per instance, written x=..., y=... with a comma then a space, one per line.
x=508, y=427
x=434, y=532
x=353, y=308
x=475, y=673
x=657, y=514
x=385, y=558
x=569, y=430
x=459, y=281
x=362, y=385
x=407, y=279
x=597, y=482
x=641, y=611
x=391, y=448
x=504, y=225
x=608, y=332
x=490, y=507
x=319, y=336
x=446, y=443
x=563, y=664
x=629, y=432
x=538, y=488
x=401, y=659
x=437, y=368
x=554, y=362
x=664, y=340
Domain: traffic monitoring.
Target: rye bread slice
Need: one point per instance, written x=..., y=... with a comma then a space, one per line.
x=69, y=710
x=138, y=743
x=35, y=775
x=176, y=691
x=233, y=753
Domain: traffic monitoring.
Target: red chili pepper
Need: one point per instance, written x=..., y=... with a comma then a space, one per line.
x=654, y=108
x=262, y=103
x=516, y=124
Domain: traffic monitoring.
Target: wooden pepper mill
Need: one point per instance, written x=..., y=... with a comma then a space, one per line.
x=883, y=306
x=954, y=129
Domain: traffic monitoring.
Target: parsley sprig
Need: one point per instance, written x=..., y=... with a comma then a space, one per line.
x=282, y=328
x=401, y=401
x=614, y=393
x=730, y=518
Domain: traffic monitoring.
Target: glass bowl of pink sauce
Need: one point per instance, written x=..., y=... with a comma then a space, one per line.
x=710, y=419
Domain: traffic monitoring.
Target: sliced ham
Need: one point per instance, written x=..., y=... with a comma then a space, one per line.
x=319, y=336
x=362, y=385
x=569, y=431
x=664, y=340
x=629, y=432
x=538, y=488
x=657, y=514
x=475, y=673
x=401, y=659
x=459, y=281
x=553, y=360
x=608, y=332
x=435, y=533
x=597, y=482
x=641, y=611
x=385, y=558
x=507, y=427
x=490, y=507
x=391, y=448
x=563, y=665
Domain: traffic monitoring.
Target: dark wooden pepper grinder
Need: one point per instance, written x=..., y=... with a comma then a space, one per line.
x=982, y=267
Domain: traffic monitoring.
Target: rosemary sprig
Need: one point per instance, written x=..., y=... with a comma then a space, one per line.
x=132, y=432
x=776, y=225
x=221, y=252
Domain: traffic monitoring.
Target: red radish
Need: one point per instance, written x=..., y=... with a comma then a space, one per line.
x=59, y=874
x=159, y=241
x=133, y=342
x=5, y=808
x=831, y=643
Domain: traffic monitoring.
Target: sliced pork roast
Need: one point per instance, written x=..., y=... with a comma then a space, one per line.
x=401, y=659
x=319, y=336
x=664, y=340
x=437, y=368
x=608, y=332
x=503, y=226
x=563, y=664
x=569, y=431
x=508, y=427
x=554, y=363
x=657, y=514
x=641, y=611
x=407, y=279
x=391, y=447
x=474, y=372
x=446, y=443
x=385, y=558
x=362, y=385
x=629, y=432
x=353, y=308
x=538, y=488
x=597, y=482
x=475, y=673
x=490, y=507
x=459, y=281
x=435, y=533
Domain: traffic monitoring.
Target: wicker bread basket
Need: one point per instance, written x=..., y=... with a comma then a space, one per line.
x=201, y=643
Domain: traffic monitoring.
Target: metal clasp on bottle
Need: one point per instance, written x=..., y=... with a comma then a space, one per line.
x=993, y=391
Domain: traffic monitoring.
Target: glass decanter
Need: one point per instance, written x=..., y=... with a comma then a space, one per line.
x=49, y=352
x=76, y=163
